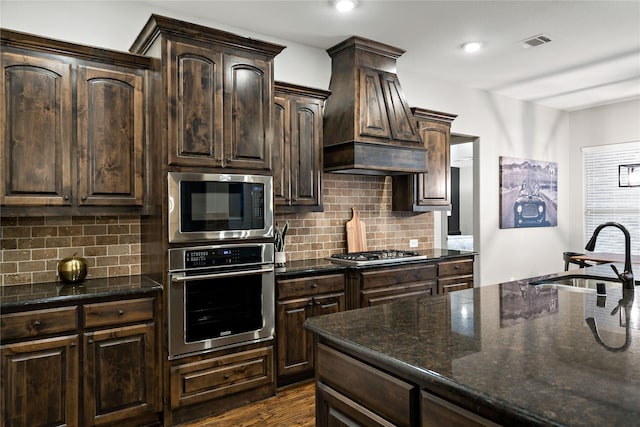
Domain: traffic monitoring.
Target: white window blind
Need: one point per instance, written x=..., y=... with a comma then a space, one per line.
x=605, y=201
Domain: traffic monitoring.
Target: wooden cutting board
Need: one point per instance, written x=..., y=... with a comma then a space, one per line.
x=356, y=234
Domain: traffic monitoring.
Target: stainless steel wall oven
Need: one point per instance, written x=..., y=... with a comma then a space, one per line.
x=220, y=296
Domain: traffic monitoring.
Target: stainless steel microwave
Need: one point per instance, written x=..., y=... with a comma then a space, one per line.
x=216, y=207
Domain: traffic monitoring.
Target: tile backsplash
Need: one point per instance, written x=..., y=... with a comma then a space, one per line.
x=321, y=234
x=32, y=246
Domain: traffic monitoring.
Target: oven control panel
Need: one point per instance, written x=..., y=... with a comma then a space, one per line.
x=220, y=256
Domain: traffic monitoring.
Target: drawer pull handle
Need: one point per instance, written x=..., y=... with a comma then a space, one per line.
x=36, y=324
x=120, y=312
x=227, y=376
x=72, y=344
x=314, y=285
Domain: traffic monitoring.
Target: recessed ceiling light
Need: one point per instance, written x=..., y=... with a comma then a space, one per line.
x=345, y=5
x=471, y=47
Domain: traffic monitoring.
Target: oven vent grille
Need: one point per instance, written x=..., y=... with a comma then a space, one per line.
x=534, y=41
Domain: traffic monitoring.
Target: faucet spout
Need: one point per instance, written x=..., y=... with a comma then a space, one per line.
x=626, y=277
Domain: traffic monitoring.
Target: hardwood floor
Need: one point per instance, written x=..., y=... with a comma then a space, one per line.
x=293, y=406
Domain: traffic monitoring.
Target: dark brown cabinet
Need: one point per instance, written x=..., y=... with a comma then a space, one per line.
x=352, y=393
x=218, y=107
x=101, y=362
x=93, y=162
x=431, y=190
x=45, y=341
x=384, y=112
x=297, y=148
x=297, y=300
x=121, y=368
x=455, y=274
x=383, y=285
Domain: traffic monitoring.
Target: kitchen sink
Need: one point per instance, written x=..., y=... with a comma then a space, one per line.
x=579, y=282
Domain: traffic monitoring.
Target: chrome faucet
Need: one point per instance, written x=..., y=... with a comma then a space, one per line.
x=626, y=277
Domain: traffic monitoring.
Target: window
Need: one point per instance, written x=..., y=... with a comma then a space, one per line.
x=605, y=200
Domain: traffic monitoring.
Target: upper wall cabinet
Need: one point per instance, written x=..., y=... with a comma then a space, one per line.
x=218, y=107
x=297, y=148
x=432, y=190
x=73, y=139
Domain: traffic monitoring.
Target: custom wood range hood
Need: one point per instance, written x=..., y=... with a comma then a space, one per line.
x=368, y=126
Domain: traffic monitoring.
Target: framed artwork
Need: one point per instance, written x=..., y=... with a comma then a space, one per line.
x=629, y=175
x=528, y=193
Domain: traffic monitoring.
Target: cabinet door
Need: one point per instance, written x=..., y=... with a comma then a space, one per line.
x=295, y=344
x=40, y=382
x=195, y=105
x=281, y=144
x=373, y=114
x=434, y=186
x=248, y=121
x=110, y=136
x=401, y=119
x=306, y=149
x=120, y=374
x=35, y=145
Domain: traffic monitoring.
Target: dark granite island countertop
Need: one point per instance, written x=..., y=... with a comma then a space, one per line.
x=514, y=353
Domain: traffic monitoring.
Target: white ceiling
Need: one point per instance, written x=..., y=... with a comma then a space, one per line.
x=593, y=58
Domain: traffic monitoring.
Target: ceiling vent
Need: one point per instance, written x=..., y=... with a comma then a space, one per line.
x=534, y=41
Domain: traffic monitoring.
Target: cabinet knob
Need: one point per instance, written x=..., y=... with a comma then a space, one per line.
x=84, y=197
x=36, y=324
x=314, y=285
x=227, y=376
x=90, y=340
x=65, y=197
x=72, y=344
x=120, y=312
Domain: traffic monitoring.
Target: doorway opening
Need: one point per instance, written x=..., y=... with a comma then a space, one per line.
x=459, y=225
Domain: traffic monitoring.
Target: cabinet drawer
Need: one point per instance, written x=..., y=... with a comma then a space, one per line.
x=375, y=390
x=437, y=412
x=312, y=285
x=212, y=378
x=38, y=322
x=455, y=284
x=455, y=268
x=115, y=312
x=393, y=276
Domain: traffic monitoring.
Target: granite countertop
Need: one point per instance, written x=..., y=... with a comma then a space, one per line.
x=20, y=296
x=325, y=266
x=524, y=351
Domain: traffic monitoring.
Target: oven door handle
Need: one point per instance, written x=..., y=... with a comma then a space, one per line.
x=217, y=275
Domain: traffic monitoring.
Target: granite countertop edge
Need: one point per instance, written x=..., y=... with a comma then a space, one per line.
x=26, y=296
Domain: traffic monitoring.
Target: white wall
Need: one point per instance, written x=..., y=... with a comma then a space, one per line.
x=609, y=124
x=506, y=127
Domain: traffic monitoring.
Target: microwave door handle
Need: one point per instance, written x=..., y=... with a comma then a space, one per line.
x=217, y=275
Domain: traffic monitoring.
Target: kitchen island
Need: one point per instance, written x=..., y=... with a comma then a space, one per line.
x=506, y=354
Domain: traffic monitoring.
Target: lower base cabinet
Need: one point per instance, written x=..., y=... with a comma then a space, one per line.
x=30, y=398
x=85, y=364
x=352, y=393
x=297, y=300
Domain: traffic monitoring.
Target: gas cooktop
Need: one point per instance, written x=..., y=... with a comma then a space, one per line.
x=376, y=257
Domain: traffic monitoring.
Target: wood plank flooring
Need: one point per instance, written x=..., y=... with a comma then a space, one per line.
x=292, y=406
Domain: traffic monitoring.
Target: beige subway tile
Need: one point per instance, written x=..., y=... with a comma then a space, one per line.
x=16, y=232
x=17, y=255
x=95, y=251
x=44, y=231
x=120, y=270
x=70, y=230
x=106, y=240
x=118, y=250
x=58, y=242
x=8, y=244
x=118, y=229
x=105, y=261
x=8, y=221
x=30, y=266
x=8, y=267
x=58, y=220
x=49, y=253
x=106, y=220
x=83, y=240
x=95, y=230
x=44, y=277
x=17, y=279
